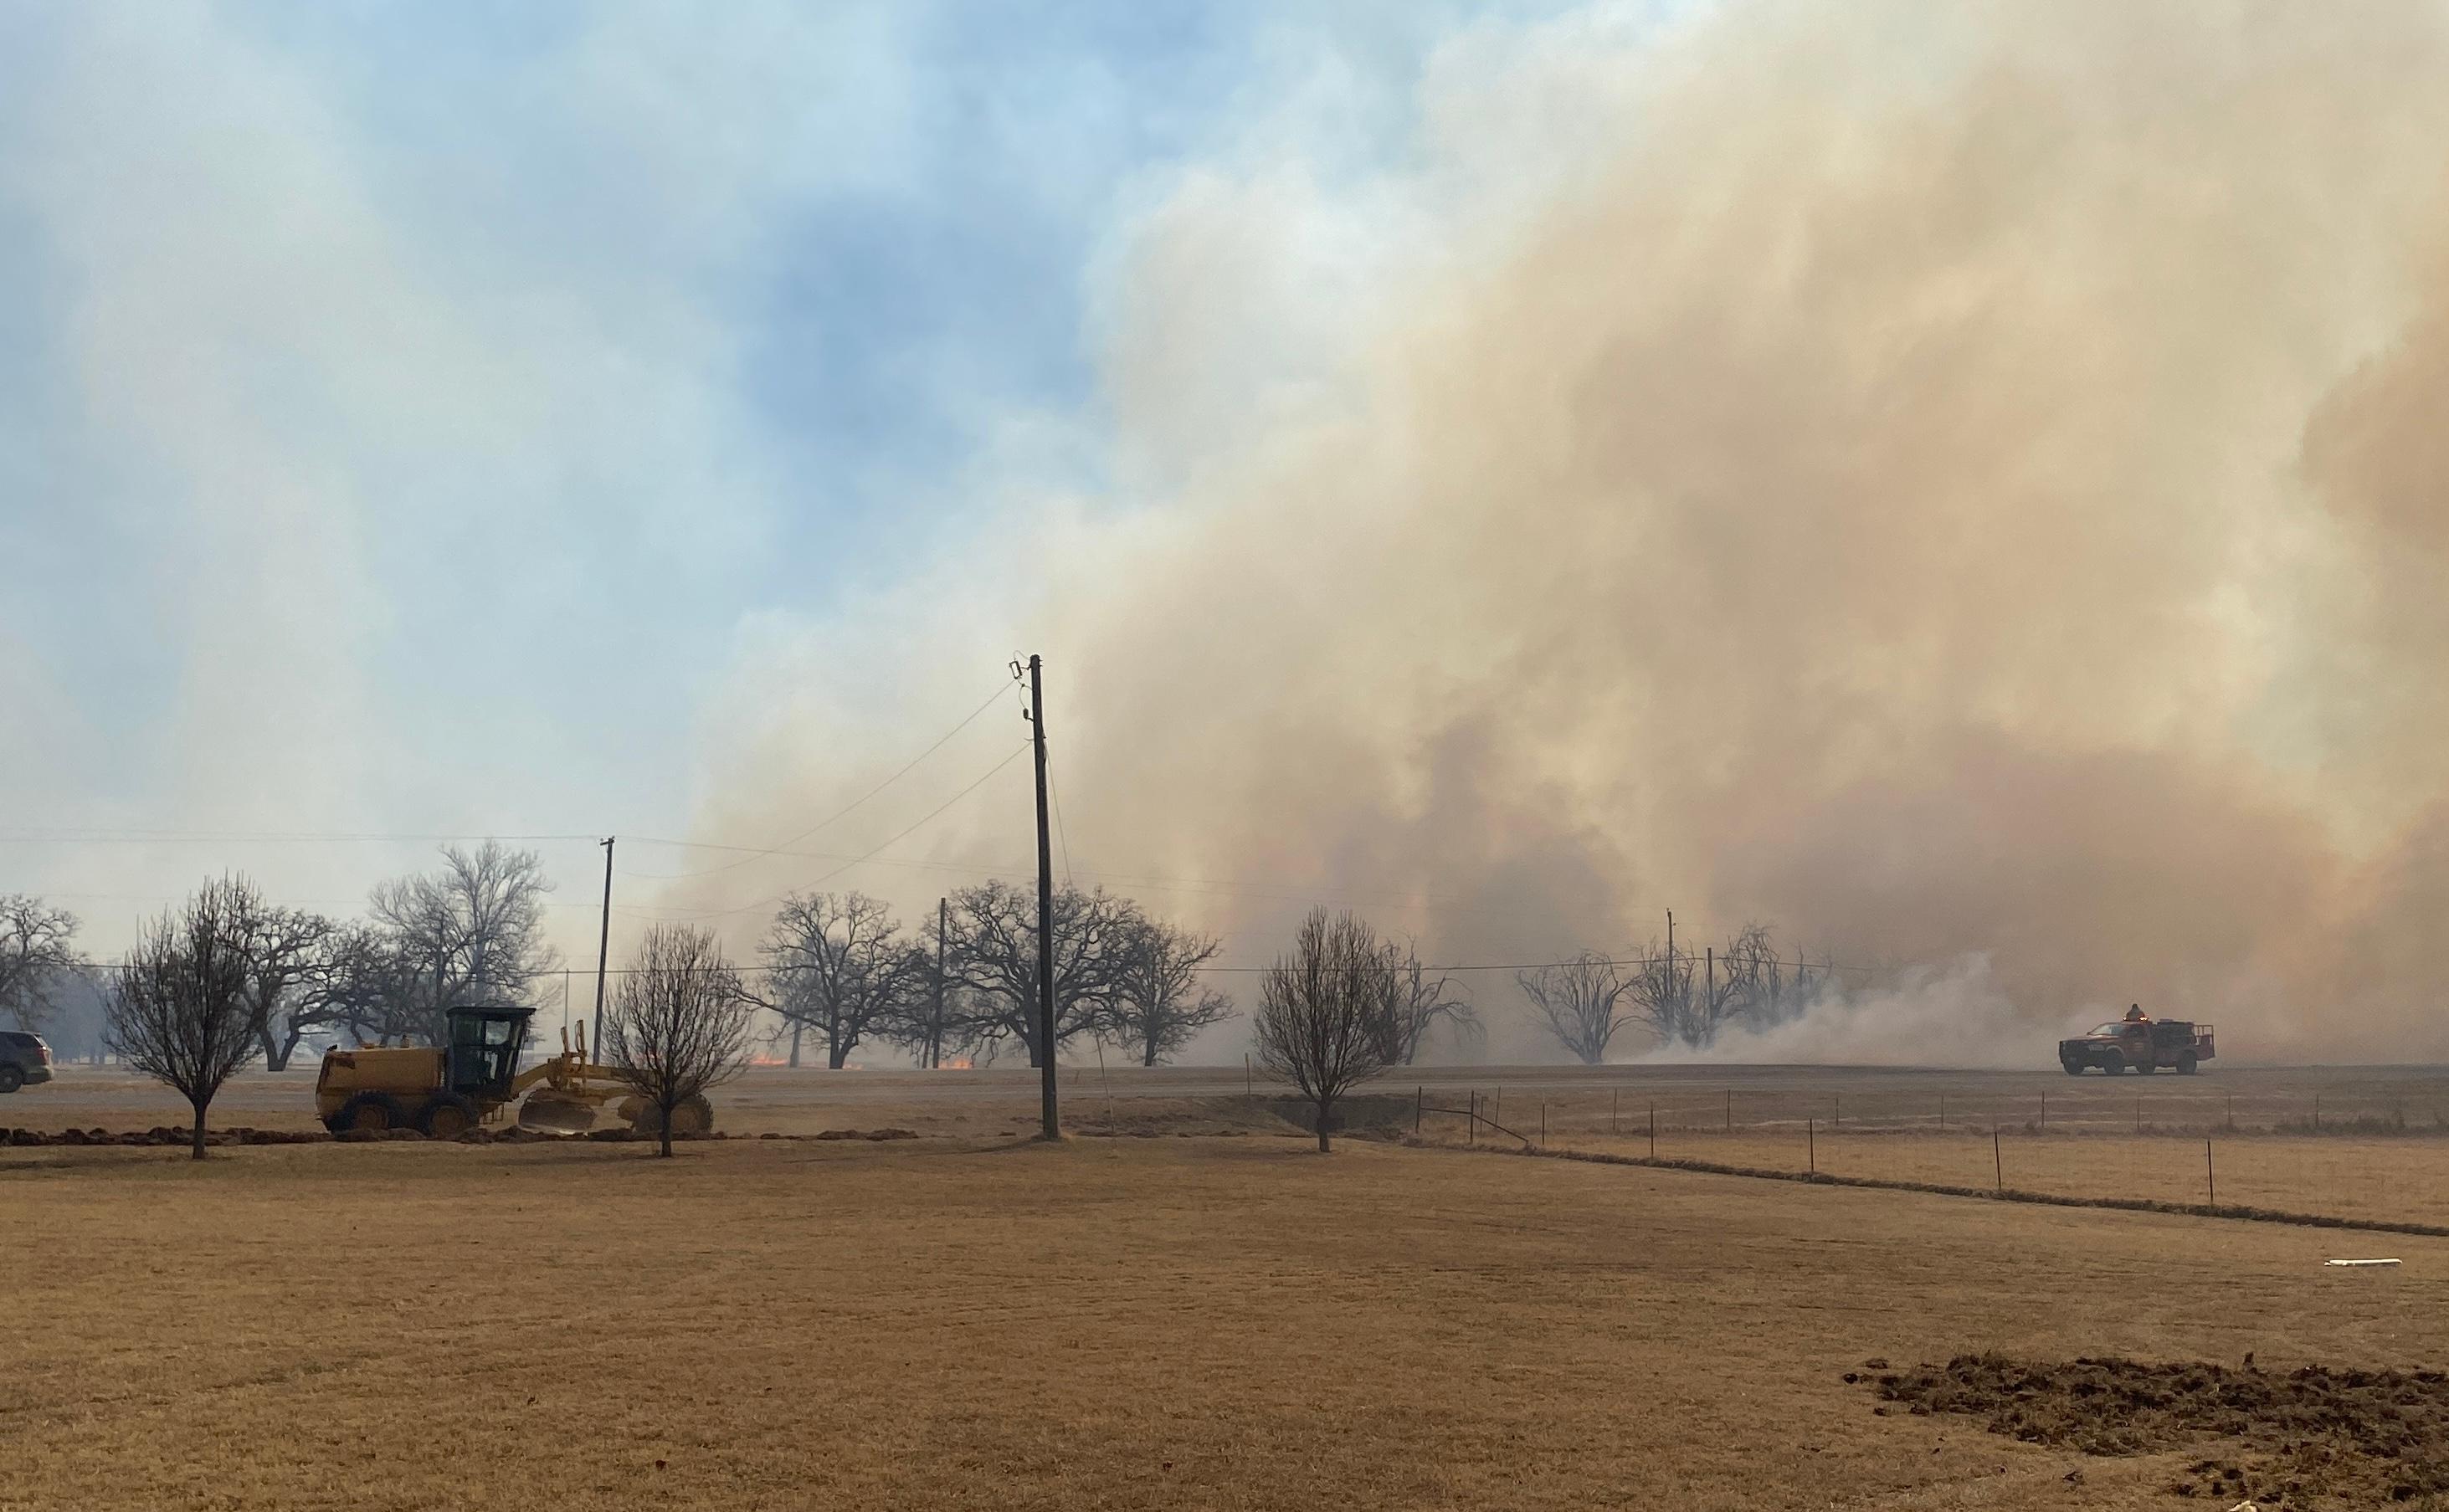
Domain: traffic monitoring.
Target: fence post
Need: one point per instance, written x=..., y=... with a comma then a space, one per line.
x=1615, y=1097
x=1420, y=1103
x=1730, y=1110
x=2210, y=1177
x=1653, y=1131
x=1543, y=1123
x=1811, y=1145
x=1496, y=1107
x=1997, y=1161
x=2045, y=1113
x=1841, y=1109
x=1473, y=1136
x=1942, y=1113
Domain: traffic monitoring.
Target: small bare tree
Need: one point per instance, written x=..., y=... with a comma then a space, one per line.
x=1326, y=1012
x=179, y=1012
x=1159, y=1005
x=1581, y=1001
x=36, y=955
x=1427, y=1002
x=680, y=1026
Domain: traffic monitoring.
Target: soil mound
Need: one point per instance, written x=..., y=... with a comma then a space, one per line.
x=2290, y=1439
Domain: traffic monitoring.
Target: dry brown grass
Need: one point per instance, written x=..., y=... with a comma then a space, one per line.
x=1173, y=1323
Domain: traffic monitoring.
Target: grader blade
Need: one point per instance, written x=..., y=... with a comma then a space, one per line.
x=547, y=1112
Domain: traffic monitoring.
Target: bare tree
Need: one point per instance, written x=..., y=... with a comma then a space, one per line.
x=938, y=1013
x=993, y=956
x=680, y=1026
x=1763, y=991
x=1688, y=997
x=1326, y=1012
x=1427, y=1002
x=1581, y=1001
x=36, y=956
x=1664, y=994
x=838, y=966
x=286, y=957
x=1158, y=1005
x=474, y=931
x=365, y=983
x=179, y=1012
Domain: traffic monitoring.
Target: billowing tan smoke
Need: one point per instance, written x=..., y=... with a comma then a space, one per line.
x=1955, y=481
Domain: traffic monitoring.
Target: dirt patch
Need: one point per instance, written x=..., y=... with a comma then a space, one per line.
x=2298, y=1438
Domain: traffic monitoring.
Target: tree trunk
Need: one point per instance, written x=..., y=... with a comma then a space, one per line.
x=1325, y=1107
x=665, y=1153
x=795, y=1045
x=196, y=1143
x=834, y=1057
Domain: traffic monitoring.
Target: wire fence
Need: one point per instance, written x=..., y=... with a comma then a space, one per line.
x=2369, y=1157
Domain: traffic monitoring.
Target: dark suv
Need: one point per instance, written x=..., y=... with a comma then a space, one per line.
x=23, y=1058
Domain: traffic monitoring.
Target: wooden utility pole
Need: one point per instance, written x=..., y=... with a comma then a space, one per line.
x=935, y=1031
x=1049, y=1128
x=602, y=951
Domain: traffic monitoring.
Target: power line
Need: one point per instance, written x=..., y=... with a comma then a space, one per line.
x=751, y=854
x=1055, y=793
x=871, y=854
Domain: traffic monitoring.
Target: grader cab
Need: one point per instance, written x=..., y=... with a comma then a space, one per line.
x=444, y=1091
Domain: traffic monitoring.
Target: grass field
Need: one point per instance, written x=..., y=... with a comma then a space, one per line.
x=971, y=1320
x=1111, y=1323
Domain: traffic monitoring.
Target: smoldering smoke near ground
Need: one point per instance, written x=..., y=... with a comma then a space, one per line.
x=1976, y=500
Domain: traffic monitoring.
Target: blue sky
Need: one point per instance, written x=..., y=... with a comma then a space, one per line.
x=403, y=407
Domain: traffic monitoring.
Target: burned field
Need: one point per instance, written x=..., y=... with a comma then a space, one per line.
x=2310, y=1436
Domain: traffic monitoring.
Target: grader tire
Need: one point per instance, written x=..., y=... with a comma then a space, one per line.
x=375, y=1112
x=448, y=1116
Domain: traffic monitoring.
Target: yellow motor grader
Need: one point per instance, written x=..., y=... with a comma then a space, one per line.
x=446, y=1090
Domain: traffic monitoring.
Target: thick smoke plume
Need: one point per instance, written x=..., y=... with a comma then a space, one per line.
x=1952, y=482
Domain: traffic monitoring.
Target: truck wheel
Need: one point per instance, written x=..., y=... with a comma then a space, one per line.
x=370, y=1111
x=2073, y=1066
x=2112, y=1063
x=2185, y=1065
x=448, y=1116
x=11, y=1077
